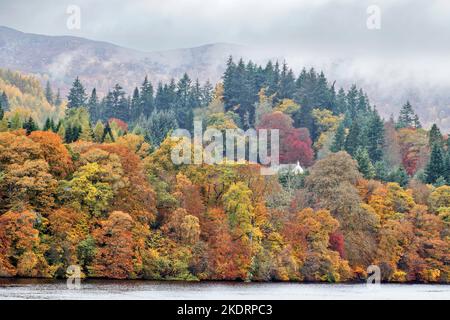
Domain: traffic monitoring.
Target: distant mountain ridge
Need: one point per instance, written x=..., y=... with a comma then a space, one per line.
x=101, y=64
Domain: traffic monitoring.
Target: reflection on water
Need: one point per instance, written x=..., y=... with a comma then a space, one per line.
x=110, y=289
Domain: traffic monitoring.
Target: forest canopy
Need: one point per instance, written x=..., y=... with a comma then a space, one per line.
x=90, y=182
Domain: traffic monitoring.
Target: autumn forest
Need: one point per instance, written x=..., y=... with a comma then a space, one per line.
x=87, y=179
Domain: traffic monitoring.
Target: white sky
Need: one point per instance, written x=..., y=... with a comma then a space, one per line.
x=328, y=27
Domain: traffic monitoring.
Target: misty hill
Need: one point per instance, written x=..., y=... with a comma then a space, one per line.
x=100, y=64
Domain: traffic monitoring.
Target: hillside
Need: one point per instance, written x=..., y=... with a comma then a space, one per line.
x=100, y=64
x=26, y=96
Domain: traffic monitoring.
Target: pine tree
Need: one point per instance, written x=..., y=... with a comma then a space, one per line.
x=196, y=95
x=375, y=136
x=435, y=167
x=72, y=133
x=352, y=101
x=94, y=107
x=77, y=95
x=117, y=105
x=353, y=140
x=185, y=115
x=146, y=99
x=68, y=134
x=158, y=125
x=365, y=166
x=435, y=137
x=341, y=102
x=287, y=83
x=49, y=93
x=322, y=93
x=447, y=167
x=76, y=132
x=136, y=106
x=363, y=102
x=407, y=117
x=231, y=85
x=339, y=139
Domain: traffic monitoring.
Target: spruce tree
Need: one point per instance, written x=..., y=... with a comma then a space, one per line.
x=341, y=102
x=185, y=115
x=287, y=83
x=94, y=107
x=119, y=107
x=407, y=117
x=231, y=85
x=207, y=94
x=352, y=101
x=146, y=99
x=363, y=102
x=322, y=93
x=365, y=166
x=375, y=136
x=435, y=167
x=196, y=95
x=353, y=140
x=447, y=167
x=77, y=95
x=435, y=137
x=136, y=106
x=339, y=139
x=68, y=134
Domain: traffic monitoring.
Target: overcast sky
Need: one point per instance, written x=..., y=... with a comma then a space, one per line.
x=327, y=27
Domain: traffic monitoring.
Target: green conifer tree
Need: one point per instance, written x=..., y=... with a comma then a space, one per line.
x=77, y=95
x=339, y=139
x=365, y=166
x=354, y=138
x=435, y=167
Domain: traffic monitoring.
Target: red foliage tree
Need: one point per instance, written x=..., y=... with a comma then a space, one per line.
x=337, y=242
x=295, y=144
x=115, y=254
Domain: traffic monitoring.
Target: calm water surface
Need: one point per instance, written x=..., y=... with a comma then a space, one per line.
x=105, y=289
